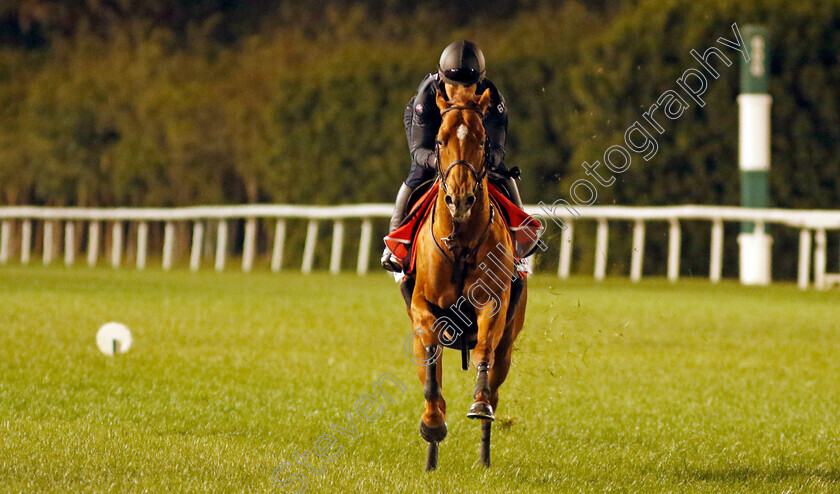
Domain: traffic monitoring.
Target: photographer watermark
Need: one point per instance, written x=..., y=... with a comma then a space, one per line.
x=693, y=84
x=480, y=295
x=617, y=159
x=328, y=448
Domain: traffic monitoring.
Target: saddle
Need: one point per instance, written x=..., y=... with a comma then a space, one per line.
x=523, y=229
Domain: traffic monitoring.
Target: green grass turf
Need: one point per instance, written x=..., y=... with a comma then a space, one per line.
x=614, y=387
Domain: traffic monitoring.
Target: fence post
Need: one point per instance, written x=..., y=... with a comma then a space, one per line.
x=116, y=244
x=221, y=244
x=674, y=240
x=49, y=236
x=337, y=245
x=309, y=247
x=168, y=245
x=69, y=243
x=601, y=246
x=566, y=240
x=142, y=244
x=804, y=275
x=716, y=260
x=819, y=259
x=279, y=243
x=93, y=243
x=249, y=246
x=364, y=247
x=25, y=241
x=812, y=241
x=638, y=257
x=197, y=240
x=5, y=240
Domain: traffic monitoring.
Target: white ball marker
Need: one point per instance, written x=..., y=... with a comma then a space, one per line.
x=113, y=338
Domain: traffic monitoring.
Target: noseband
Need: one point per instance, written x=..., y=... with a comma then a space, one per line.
x=444, y=174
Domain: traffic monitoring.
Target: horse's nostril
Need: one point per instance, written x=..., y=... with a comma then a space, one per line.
x=448, y=200
x=470, y=200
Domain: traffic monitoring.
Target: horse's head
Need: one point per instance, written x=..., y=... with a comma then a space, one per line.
x=460, y=150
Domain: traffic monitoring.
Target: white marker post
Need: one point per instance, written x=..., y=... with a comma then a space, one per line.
x=754, y=155
x=113, y=338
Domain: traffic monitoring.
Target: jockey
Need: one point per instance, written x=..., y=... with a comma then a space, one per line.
x=460, y=71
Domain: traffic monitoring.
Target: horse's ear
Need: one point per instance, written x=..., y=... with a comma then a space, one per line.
x=442, y=104
x=484, y=101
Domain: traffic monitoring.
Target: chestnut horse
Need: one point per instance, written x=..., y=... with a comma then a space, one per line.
x=453, y=252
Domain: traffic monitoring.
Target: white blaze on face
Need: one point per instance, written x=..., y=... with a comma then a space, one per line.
x=462, y=133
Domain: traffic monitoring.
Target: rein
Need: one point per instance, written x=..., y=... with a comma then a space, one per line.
x=459, y=262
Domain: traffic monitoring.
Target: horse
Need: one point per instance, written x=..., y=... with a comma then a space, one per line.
x=455, y=245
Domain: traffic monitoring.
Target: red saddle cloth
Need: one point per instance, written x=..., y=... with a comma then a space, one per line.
x=524, y=230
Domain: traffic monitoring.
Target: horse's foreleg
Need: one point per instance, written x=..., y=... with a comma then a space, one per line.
x=491, y=328
x=502, y=354
x=428, y=354
x=490, y=332
x=484, y=405
x=433, y=422
x=434, y=410
x=501, y=366
x=490, y=385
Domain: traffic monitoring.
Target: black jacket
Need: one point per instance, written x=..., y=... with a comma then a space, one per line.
x=422, y=121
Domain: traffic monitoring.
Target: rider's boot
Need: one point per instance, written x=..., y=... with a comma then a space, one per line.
x=509, y=185
x=389, y=262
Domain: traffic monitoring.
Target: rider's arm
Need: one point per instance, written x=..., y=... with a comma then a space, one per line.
x=422, y=130
x=495, y=128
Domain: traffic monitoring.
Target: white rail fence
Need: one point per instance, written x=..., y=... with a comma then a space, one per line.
x=812, y=226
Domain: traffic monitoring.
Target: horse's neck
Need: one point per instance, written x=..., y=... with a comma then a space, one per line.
x=469, y=232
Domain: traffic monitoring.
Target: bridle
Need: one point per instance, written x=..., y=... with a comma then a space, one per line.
x=444, y=174
x=466, y=258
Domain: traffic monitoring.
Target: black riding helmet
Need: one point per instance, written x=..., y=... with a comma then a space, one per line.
x=461, y=64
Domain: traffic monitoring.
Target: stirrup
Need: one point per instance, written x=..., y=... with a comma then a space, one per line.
x=390, y=262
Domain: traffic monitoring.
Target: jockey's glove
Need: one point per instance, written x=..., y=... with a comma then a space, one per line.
x=432, y=161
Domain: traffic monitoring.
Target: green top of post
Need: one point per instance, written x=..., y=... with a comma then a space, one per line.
x=754, y=74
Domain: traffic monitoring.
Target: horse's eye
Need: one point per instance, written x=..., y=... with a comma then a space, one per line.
x=439, y=142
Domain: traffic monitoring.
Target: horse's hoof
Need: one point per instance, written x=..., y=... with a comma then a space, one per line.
x=481, y=410
x=432, y=434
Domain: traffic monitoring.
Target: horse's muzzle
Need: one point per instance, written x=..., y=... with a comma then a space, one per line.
x=459, y=207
